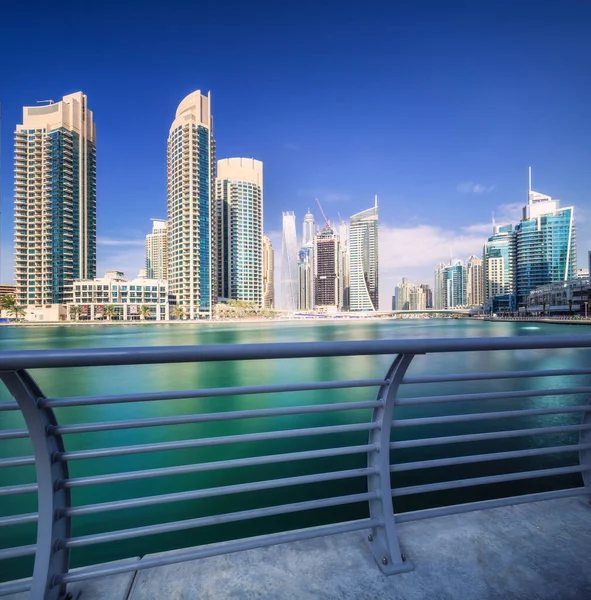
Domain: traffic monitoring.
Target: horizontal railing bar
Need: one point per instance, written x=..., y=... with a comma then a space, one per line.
x=218, y=491
x=20, y=461
x=212, y=417
x=18, y=551
x=442, y=511
x=491, y=396
x=18, y=519
x=171, y=558
x=87, y=357
x=489, y=479
x=255, y=513
x=492, y=456
x=493, y=435
x=505, y=414
x=443, y=378
x=215, y=466
x=8, y=406
x=15, y=587
x=14, y=434
x=209, y=392
x=217, y=441
x=13, y=490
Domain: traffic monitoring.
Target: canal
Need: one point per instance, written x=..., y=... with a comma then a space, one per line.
x=111, y=380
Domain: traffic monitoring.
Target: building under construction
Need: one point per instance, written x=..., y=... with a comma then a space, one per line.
x=326, y=268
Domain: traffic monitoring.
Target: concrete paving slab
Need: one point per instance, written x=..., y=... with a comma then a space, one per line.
x=538, y=551
x=116, y=587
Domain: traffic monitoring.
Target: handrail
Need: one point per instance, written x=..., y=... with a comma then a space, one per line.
x=393, y=426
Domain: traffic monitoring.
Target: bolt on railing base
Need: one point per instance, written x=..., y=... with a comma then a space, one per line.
x=388, y=565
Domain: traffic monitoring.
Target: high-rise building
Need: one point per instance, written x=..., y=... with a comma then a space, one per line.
x=417, y=298
x=363, y=256
x=402, y=293
x=545, y=245
x=498, y=269
x=305, y=278
x=268, y=273
x=55, y=200
x=474, y=285
x=239, y=206
x=344, y=266
x=428, y=295
x=157, y=251
x=289, y=263
x=308, y=230
x=450, y=285
x=326, y=270
x=191, y=215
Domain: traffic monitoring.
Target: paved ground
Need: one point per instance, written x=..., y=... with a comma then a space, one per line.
x=530, y=552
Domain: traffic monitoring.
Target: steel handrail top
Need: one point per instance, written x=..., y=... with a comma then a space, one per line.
x=82, y=357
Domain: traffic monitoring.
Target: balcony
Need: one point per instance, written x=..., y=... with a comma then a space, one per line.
x=529, y=539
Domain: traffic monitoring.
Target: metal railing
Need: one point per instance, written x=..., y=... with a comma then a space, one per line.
x=390, y=451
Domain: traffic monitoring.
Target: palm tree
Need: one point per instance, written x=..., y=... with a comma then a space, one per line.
x=178, y=312
x=17, y=311
x=75, y=311
x=109, y=311
x=145, y=311
x=7, y=302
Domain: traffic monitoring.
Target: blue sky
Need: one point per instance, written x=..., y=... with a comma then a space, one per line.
x=438, y=107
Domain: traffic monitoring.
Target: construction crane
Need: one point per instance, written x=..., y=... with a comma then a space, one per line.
x=323, y=215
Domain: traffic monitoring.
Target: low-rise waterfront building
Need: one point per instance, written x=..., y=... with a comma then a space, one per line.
x=563, y=298
x=125, y=298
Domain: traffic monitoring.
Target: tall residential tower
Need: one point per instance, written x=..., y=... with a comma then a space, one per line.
x=363, y=257
x=289, y=263
x=268, y=273
x=239, y=207
x=191, y=217
x=157, y=251
x=55, y=200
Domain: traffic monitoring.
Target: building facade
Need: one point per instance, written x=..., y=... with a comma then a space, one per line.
x=268, y=273
x=450, y=285
x=402, y=295
x=157, y=251
x=289, y=263
x=191, y=215
x=326, y=271
x=306, y=278
x=55, y=200
x=545, y=245
x=440, y=287
x=344, y=266
x=474, y=281
x=428, y=292
x=308, y=230
x=124, y=297
x=363, y=256
x=497, y=270
x=239, y=206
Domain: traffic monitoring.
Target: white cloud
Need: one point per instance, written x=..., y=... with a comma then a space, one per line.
x=470, y=187
x=413, y=252
x=129, y=259
x=324, y=195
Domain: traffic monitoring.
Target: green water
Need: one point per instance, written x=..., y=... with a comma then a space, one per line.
x=112, y=380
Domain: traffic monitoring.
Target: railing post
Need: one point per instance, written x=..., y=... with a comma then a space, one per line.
x=383, y=541
x=585, y=455
x=52, y=526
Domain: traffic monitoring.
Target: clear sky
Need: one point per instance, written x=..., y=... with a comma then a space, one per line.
x=438, y=107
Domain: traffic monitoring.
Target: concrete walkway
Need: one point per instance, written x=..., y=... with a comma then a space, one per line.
x=530, y=552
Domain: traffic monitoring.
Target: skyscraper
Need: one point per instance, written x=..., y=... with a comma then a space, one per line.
x=308, y=230
x=239, y=206
x=474, y=285
x=428, y=295
x=450, y=285
x=363, y=256
x=289, y=263
x=268, y=273
x=157, y=251
x=498, y=269
x=545, y=245
x=305, y=279
x=54, y=200
x=191, y=217
x=326, y=270
x=344, y=265
x=440, y=288
x=403, y=291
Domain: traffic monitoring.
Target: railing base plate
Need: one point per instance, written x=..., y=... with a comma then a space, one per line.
x=388, y=566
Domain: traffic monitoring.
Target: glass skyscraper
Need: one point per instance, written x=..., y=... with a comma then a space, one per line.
x=239, y=202
x=498, y=269
x=289, y=263
x=157, y=251
x=54, y=200
x=545, y=245
x=191, y=218
x=363, y=260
